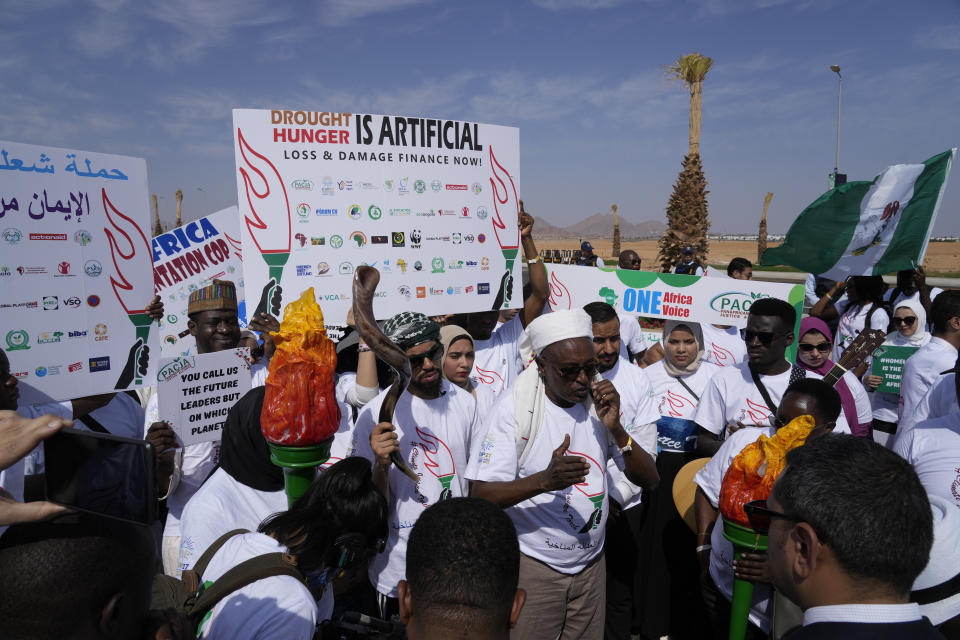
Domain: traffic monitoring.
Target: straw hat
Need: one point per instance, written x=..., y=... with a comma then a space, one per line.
x=684, y=491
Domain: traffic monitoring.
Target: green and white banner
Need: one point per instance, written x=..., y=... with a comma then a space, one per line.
x=670, y=296
x=868, y=228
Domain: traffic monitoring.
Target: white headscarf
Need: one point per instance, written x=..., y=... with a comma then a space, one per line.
x=920, y=337
x=559, y=325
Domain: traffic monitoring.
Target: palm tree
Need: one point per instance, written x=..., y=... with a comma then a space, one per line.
x=179, y=196
x=691, y=70
x=687, y=221
x=616, y=233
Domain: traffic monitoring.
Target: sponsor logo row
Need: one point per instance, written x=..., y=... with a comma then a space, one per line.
x=436, y=265
x=63, y=269
x=305, y=211
x=12, y=236
x=397, y=239
x=328, y=186
x=409, y=292
x=53, y=303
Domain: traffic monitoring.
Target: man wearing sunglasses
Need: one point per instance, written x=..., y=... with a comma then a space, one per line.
x=924, y=367
x=747, y=393
x=849, y=530
x=432, y=429
x=544, y=459
x=629, y=259
x=810, y=397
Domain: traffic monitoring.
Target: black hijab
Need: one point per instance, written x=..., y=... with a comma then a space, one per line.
x=244, y=453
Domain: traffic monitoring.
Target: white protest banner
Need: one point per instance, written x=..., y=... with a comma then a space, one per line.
x=75, y=272
x=190, y=257
x=432, y=204
x=670, y=296
x=194, y=393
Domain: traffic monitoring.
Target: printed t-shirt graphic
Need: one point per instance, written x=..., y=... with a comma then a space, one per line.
x=497, y=357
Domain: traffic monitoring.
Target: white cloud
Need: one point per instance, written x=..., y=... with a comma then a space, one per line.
x=944, y=37
x=338, y=13
x=560, y=5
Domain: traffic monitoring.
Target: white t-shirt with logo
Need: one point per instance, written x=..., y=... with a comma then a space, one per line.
x=852, y=321
x=933, y=448
x=565, y=528
x=222, y=504
x=672, y=400
x=920, y=373
x=709, y=479
x=723, y=347
x=497, y=358
x=278, y=607
x=631, y=337
x=435, y=438
x=731, y=397
x=940, y=400
x=639, y=416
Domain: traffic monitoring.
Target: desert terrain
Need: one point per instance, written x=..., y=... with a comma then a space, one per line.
x=943, y=258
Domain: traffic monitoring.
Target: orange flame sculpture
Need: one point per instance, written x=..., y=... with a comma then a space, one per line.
x=755, y=469
x=300, y=410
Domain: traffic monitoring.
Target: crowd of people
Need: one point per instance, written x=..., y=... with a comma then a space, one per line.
x=547, y=446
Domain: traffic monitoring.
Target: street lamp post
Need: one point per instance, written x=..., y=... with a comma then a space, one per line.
x=836, y=178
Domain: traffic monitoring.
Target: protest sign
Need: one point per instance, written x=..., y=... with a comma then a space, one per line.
x=194, y=393
x=190, y=257
x=724, y=301
x=888, y=362
x=432, y=204
x=75, y=271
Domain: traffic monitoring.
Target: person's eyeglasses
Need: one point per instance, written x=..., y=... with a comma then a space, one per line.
x=765, y=337
x=635, y=261
x=823, y=347
x=434, y=355
x=572, y=371
x=906, y=322
x=760, y=516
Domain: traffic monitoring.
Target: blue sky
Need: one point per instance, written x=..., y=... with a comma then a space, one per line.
x=582, y=80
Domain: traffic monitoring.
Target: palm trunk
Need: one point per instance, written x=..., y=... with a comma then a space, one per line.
x=616, y=233
x=157, y=229
x=696, y=112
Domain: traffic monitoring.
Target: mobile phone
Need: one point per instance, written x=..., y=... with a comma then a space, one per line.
x=102, y=474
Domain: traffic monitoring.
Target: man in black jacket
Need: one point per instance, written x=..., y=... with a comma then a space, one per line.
x=850, y=529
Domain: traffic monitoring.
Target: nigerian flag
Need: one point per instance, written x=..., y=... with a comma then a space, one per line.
x=868, y=228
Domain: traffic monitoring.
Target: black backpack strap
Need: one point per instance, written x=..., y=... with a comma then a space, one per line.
x=687, y=387
x=201, y=564
x=247, y=572
x=763, y=390
x=93, y=424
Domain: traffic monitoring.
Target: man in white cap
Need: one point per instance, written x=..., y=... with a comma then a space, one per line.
x=543, y=457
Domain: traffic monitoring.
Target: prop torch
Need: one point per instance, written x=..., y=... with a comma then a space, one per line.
x=267, y=218
x=506, y=207
x=124, y=245
x=365, y=281
x=751, y=476
x=300, y=410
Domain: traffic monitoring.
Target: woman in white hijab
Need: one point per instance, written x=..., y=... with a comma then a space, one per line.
x=668, y=586
x=909, y=322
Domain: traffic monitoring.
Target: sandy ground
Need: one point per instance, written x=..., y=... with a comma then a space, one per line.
x=942, y=257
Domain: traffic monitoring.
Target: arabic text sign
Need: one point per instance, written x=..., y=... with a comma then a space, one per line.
x=190, y=257
x=432, y=204
x=196, y=392
x=888, y=362
x=75, y=271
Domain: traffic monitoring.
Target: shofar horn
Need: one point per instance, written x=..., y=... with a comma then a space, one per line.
x=365, y=281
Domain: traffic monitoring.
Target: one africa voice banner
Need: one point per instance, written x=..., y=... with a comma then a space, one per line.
x=187, y=258
x=670, y=296
x=75, y=271
x=432, y=204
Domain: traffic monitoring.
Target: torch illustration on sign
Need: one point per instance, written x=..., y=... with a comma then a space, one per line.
x=506, y=214
x=439, y=461
x=594, y=487
x=124, y=246
x=268, y=220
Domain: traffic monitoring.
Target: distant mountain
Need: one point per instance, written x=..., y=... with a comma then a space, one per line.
x=600, y=225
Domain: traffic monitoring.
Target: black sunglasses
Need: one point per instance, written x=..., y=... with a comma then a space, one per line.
x=907, y=322
x=823, y=347
x=765, y=337
x=760, y=516
x=572, y=371
x=434, y=355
